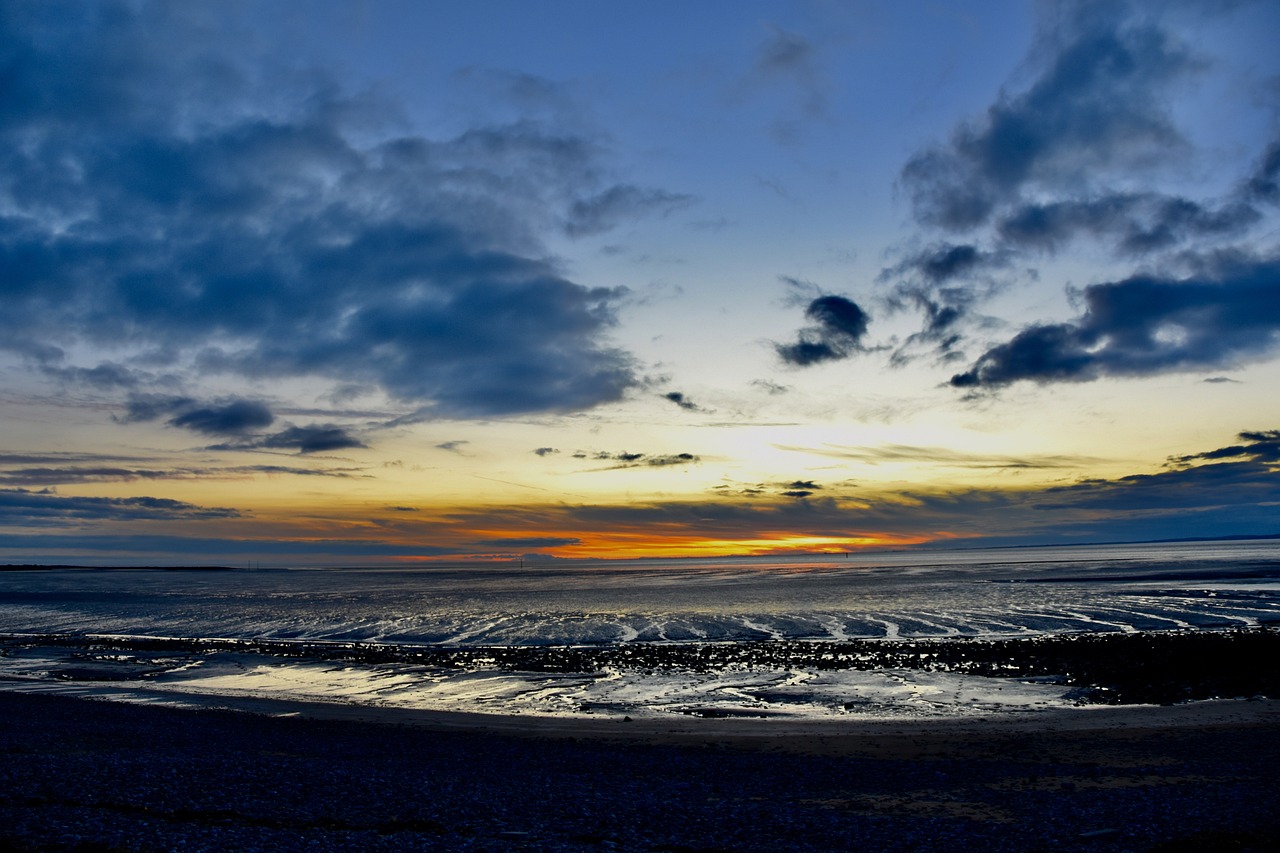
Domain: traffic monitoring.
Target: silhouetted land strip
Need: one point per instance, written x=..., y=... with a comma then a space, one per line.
x=1141, y=668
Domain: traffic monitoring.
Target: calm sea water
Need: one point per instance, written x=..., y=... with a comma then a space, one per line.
x=995, y=592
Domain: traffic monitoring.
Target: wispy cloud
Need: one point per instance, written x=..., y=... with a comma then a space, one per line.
x=22, y=507
x=941, y=456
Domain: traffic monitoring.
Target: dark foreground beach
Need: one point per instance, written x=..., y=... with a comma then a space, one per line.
x=87, y=775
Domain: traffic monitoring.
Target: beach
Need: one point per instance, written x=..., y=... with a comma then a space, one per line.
x=261, y=774
x=1106, y=699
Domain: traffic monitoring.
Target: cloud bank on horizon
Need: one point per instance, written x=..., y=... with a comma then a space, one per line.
x=213, y=246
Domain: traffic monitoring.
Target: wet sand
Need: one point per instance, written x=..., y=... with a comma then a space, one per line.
x=852, y=734
x=77, y=773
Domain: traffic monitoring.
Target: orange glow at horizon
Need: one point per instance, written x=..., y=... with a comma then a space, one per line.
x=624, y=546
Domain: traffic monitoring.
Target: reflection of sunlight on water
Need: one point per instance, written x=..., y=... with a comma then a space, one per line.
x=791, y=693
x=927, y=594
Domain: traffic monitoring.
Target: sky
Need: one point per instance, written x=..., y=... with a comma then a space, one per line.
x=345, y=283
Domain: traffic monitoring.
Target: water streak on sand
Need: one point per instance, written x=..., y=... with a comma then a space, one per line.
x=1023, y=593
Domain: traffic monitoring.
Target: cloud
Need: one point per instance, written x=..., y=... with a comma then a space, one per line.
x=452, y=446
x=1137, y=223
x=1146, y=325
x=312, y=438
x=316, y=438
x=1264, y=183
x=49, y=476
x=602, y=212
x=790, y=64
x=107, y=375
x=1202, y=486
x=546, y=451
x=839, y=326
x=531, y=542
x=233, y=418
x=164, y=193
x=944, y=281
x=1063, y=156
x=682, y=401
x=150, y=407
x=1097, y=105
x=639, y=460
x=201, y=548
x=1256, y=446
x=773, y=389
x=891, y=453
x=943, y=262
x=21, y=507
x=1236, y=493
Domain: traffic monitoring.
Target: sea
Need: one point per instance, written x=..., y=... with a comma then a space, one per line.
x=917, y=594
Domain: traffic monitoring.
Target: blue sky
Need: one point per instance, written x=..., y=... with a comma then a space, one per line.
x=371, y=281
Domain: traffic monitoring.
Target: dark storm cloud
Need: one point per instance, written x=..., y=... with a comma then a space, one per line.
x=21, y=507
x=838, y=327
x=161, y=194
x=1146, y=325
x=1096, y=105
